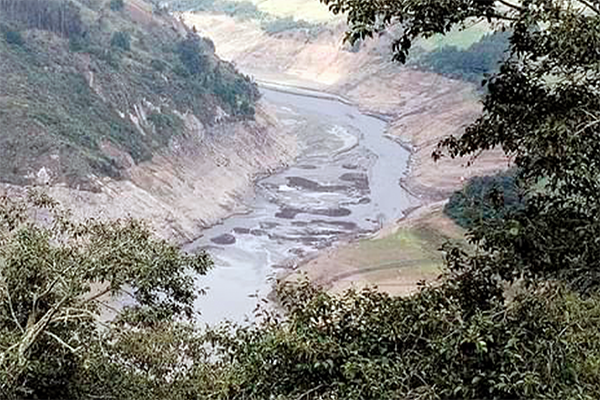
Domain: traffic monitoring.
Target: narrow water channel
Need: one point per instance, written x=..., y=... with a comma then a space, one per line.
x=345, y=183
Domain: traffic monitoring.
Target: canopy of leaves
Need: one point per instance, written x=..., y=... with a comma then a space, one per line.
x=541, y=108
x=117, y=5
x=55, y=275
x=367, y=345
x=121, y=40
x=473, y=64
x=484, y=198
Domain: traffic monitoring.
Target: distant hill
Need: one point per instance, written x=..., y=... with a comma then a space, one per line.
x=91, y=87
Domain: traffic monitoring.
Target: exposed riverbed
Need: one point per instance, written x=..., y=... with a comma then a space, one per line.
x=345, y=183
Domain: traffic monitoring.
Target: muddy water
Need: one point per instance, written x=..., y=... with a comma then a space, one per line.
x=344, y=183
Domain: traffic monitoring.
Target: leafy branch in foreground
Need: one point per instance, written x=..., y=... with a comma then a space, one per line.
x=541, y=107
x=55, y=275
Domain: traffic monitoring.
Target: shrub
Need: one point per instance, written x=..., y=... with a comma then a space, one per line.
x=121, y=40
x=79, y=43
x=158, y=65
x=191, y=55
x=484, y=198
x=117, y=5
x=14, y=38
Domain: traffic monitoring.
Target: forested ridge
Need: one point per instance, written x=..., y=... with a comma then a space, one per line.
x=55, y=16
x=515, y=314
x=79, y=77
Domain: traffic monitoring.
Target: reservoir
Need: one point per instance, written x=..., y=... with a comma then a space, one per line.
x=345, y=183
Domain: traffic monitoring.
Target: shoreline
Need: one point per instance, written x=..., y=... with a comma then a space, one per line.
x=284, y=87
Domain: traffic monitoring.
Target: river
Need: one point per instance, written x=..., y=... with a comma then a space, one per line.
x=344, y=183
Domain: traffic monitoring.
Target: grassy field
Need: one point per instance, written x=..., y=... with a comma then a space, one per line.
x=394, y=261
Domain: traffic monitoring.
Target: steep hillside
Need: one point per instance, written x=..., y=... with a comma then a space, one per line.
x=118, y=109
x=90, y=88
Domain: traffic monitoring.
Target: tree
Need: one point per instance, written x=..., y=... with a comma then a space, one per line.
x=368, y=345
x=121, y=40
x=117, y=5
x=54, y=276
x=542, y=108
x=192, y=56
x=473, y=64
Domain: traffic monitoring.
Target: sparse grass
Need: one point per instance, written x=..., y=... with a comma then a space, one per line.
x=395, y=262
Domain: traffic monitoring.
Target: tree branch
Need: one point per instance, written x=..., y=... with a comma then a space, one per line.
x=303, y=395
x=35, y=329
x=511, y=5
x=12, y=311
x=590, y=5
x=3, y=355
x=502, y=17
x=98, y=295
x=59, y=340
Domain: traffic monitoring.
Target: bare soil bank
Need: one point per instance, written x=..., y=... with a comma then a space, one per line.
x=199, y=180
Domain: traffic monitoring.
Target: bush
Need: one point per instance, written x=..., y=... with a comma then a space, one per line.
x=79, y=43
x=121, y=40
x=158, y=65
x=117, y=5
x=484, y=198
x=191, y=55
x=14, y=38
x=480, y=59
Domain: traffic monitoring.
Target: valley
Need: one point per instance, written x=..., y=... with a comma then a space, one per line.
x=418, y=108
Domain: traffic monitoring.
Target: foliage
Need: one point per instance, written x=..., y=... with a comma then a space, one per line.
x=192, y=56
x=473, y=64
x=542, y=109
x=484, y=198
x=166, y=125
x=244, y=10
x=121, y=40
x=117, y=5
x=54, y=274
x=367, y=345
x=14, y=38
x=70, y=106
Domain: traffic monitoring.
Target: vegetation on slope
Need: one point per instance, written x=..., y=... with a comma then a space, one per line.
x=485, y=198
x=245, y=10
x=79, y=77
x=472, y=64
